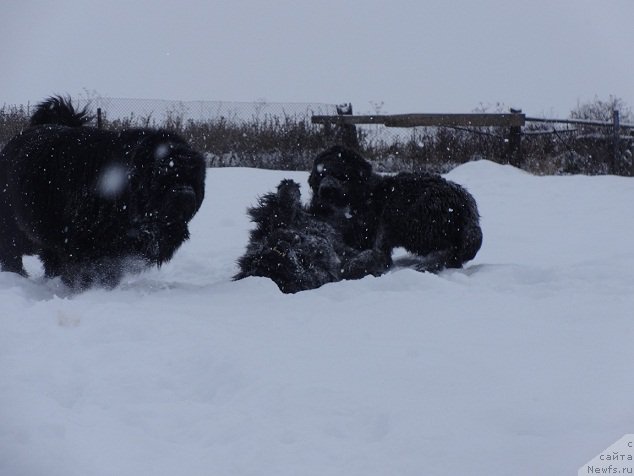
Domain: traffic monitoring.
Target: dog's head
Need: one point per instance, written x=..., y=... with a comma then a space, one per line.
x=178, y=181
x=167, y=187
x=337, y=177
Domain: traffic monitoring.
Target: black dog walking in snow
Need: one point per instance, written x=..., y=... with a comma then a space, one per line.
x=431, y=217
x=89, y=201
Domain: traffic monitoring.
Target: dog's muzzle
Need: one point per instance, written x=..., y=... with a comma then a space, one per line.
x=181, y=202
x=330, y=191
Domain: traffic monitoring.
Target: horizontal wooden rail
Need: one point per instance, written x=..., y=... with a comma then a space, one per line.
x=581, y=122
x=428, y=120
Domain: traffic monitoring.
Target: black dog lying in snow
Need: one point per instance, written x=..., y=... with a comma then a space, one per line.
x=431, y=217
x=297, y=250
x=88, y=201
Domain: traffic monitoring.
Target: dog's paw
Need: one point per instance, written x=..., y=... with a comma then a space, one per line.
x=367, y=262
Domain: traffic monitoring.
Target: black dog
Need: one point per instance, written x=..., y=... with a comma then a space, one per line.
x=427, y=215
x=295, y=249
x=88, y=201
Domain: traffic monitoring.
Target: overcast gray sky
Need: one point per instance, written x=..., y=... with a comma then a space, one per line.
x=412, y=56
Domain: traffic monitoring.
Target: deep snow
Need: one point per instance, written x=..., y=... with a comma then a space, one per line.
x=521, y=363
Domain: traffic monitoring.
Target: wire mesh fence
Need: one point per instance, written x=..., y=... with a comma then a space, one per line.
x=251, y=134
x=157, y=112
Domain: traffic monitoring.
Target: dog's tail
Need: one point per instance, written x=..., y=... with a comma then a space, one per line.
x=59, y=111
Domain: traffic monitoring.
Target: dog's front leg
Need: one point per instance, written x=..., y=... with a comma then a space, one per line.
x=372, y=261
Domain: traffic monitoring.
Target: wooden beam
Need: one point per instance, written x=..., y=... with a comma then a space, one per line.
x=428, y=120
x=348, y=119
x=469, y=120
x=579, y=122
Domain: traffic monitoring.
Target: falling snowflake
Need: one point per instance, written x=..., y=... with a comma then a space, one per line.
x=162, y=151
x=112, y=181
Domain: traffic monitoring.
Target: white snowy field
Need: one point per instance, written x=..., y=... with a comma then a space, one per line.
x=522, y=363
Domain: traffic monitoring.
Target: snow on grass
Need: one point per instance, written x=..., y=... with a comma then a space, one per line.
x=520, y=363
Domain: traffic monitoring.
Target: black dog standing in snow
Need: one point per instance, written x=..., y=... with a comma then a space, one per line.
x=90, y=201
x=295, y=249
x=431, y=217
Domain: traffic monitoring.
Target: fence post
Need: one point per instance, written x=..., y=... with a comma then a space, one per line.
x=615, y=139
x=99, y=123
x=349, y=136
x=514, y=151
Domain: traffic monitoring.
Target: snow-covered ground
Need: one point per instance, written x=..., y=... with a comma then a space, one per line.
x=522, y=363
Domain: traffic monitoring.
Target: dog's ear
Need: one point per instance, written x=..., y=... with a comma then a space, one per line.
x=312, y=180
x=365, y=170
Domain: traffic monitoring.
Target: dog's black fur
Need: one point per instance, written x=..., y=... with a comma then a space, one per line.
x=427, y=215
x=295, y=249
x=88, y=201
